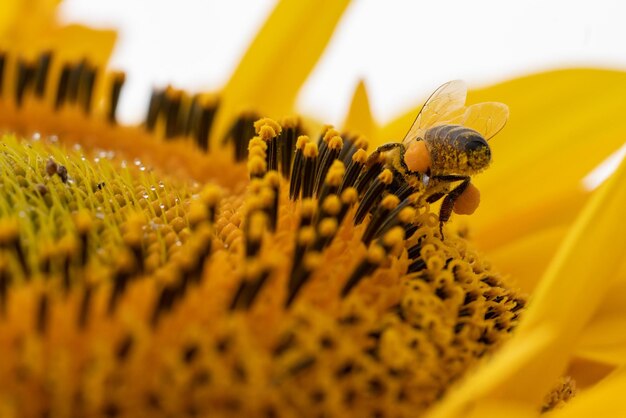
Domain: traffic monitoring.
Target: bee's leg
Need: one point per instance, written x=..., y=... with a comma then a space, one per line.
x=435, y=197
x=373, y=158
x=448, y=202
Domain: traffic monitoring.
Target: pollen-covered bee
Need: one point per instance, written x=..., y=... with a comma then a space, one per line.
x=445, y=146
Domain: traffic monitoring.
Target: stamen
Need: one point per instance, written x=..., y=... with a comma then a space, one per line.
x=268, y=130
x=272, y=182
x=87, y=83
x=5, y=281
x=310, y=155
x=240, y=133
x=255, y=228
x=41, y=75
x=354, y=169
x=10, y=240
x=62, y=87
x=171, y=109
x=310, y=261
x=373, y=195
x=369, y=174
x=118, y=80
x=250, y=286
x=287, y=143
x=201, y=125
x=157, y=100
x=74, y=81
x=2, y=65
x=298, y=163
x=389, y=203
x=25, y=76
x=333, y=180
x=375, y=257
x=331, y=153
x=350, y=146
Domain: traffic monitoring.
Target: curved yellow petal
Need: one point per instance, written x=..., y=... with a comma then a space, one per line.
x=22, y=22
x=279, y=60
x=359, y=119
x=604, y=339
x=573, y=287
x=603, y=400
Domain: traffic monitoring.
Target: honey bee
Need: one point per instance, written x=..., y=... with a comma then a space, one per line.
x=445, y=146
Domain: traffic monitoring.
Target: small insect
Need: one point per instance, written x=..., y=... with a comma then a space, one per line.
x=445, y=146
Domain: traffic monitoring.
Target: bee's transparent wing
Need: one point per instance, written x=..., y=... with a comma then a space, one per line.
x=486, y=118
x=441, y=106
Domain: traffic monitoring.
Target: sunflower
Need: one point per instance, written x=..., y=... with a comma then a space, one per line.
x=215, y=262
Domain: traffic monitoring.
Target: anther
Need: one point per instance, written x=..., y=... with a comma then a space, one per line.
x=333, y=148
x=250, y=286
x=310, y=155
x=333, y=179
x=117, y=82
x=25, y=76
x=83, y=224
x=272, y=182
x=41, y=73
x=310, y=261
x=298, y=164
x=10, y=239
x=375, y=257
x=373, y=195
x=357, y=162
x=62, y=86
x=74, y=81
x=368, y=174
x=171, y=109
x=5, y=281
x=201, y=127
x=157, y=100
x=291, y=130
x=268, y=130
x=86, y=86
x=2, y=65
x=240, y=133
x=254, y=230
x=388, y=203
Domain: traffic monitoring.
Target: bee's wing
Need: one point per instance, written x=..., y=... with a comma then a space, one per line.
x=486, y=118
x=446, y=100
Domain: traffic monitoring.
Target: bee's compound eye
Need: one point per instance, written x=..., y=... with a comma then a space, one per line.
x=417, y=157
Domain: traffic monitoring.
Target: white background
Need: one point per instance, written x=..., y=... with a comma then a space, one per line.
x=403, y=49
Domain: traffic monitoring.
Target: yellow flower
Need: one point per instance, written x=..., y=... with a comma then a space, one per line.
x=211, y=262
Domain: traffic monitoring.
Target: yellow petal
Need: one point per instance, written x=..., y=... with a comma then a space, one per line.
x=279, y=60
x=562, y=125
x=359, y=119
x=603, y=339
x=493, y=408
x=604, y=400
x=572, y=288
x=75, y=42
x=22, y=22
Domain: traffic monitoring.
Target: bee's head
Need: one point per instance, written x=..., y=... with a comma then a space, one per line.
x=478, y=153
